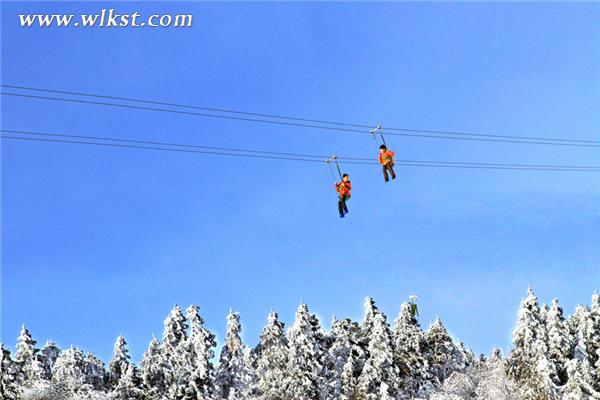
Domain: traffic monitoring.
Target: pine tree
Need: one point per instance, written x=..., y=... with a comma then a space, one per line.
x=443, y=356
x=409, y=344
x=233, y=374
x=458, y=385
x=379, y=378
x=119, y=363
x=370, y=311
x=271, y=354
x=70, y=370
x=593, y=338
x=338, y=354
x=347, y=388
x=528, y=362
x=559, y=342
x=493, y=381
x=130, y=386
x=30, y=368
x=580, y=384
x=303, y=368
x=95, y=373
x=176, y=350
x=47, y=358
x=202, y=343
x=8, y=375
x=153, y=366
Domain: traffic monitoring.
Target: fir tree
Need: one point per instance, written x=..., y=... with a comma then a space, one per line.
x=95, y=373
x=339, y=352
x=303, y=368
x=176, y=350
x=153, y=366
x=443, y=356
x=559, y=342
x=347, y=388
x=528, y=362
x=30, y=368
x=409, y=343
x=233, y=374
x=370, y=311
x=202, y=343
x=47, y=358
x=119, y=363
x=379, y=378
x=593, y=338
x=493, y=381
x=580, y=385
x=8, y=375
x=271, y=354
x=70, y=371
x=130, y=386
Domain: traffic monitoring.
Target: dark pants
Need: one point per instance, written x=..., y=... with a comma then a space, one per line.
x=342, y=207
x=385, y=172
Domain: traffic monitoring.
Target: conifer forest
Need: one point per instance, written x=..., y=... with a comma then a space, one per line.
x=552, y=357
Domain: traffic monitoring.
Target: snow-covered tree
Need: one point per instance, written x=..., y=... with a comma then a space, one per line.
x=30, y=368
x=409, y=344
x=559, y=341
x=70, y=371
x=8, y=375
x=528, y=363
x=233, y=374
x=119, y=363
x=459, y=385
x=303, y=368
x=271, y=360
x=443, y=356
x=338, y=357
x=130, y=385
x=379, y=378
x=593, y=338
x=153, y=366
x=202, y=343
x=370, y=311
x=174, y=333
x=493, y=381
x=177, y=352
x=581, y=381
x=347, y=388
x=47, y=358
x=95, y=374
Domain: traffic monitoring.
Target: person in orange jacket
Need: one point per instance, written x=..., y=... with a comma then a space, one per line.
x=343, y=188
x=387, y=161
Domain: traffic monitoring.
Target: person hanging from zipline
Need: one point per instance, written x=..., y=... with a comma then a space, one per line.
x=343, y=188
x=387, y=161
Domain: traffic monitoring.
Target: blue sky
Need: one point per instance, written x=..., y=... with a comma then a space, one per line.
x=99, y=242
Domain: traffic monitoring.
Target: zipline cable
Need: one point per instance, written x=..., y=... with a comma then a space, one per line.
x=230, y=111
x=346, y=130
x=223, y=153
x=346, y=159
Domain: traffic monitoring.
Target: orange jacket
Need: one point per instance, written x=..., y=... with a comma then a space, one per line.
x=343, y=188
x=386, y=156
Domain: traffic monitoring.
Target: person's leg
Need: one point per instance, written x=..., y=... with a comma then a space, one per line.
x=344, y=203
x=392, y=172
x=341, y=206
x=385, y=174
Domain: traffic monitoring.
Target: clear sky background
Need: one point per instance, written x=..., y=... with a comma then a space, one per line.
x=99, y=242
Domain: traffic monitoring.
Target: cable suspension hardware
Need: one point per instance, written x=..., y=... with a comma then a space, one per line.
x=378, y=130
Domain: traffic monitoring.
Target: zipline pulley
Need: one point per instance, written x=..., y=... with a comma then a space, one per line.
x=334, y=159
x=378, y=130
